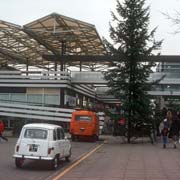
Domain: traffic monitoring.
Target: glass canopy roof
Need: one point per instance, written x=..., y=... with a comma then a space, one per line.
x=53, y=34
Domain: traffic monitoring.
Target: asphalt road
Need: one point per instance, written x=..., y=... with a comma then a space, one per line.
x=33, y=170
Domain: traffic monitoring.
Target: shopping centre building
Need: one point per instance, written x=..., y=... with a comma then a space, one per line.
x=55, y=64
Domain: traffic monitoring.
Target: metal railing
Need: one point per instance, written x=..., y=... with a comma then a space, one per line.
x=74, y=77
x=24, y=98
x=35, y=112
x=34, y=76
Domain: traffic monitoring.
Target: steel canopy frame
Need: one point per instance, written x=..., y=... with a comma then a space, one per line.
x=16, y=47
x=80, y=37
x=53, y=34
x=66, y=36
x=58, y=40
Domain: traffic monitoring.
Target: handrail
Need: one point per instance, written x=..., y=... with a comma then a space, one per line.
x=43, y=75
x=35, y=112
x=75, y=77
x=22, y=106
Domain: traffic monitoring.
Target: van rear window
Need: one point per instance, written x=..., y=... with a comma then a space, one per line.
x=36, y=133
x=82, y=118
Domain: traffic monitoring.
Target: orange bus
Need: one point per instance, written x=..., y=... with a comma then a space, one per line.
x=84, y=124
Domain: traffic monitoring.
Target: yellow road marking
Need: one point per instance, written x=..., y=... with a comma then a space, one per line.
x=76, y=163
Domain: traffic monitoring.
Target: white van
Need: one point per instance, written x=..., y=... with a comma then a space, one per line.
x=39, y=141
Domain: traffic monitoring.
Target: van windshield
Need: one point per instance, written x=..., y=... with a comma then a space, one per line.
x=82, y=118
x=36, y=133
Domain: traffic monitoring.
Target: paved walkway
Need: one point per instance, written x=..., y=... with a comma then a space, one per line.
x=138, y=161
x=146, y=161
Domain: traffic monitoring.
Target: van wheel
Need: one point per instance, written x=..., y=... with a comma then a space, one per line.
x=67, y=158
x=94, y=138
x=54, y=163
x=19, y=162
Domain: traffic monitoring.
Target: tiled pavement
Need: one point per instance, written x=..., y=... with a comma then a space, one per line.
x=138, y=161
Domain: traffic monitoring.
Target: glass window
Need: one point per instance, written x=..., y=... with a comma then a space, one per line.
x=54, y=135
x=62, y=134
x=58, y=134
x=36, y=133
x=82, y=118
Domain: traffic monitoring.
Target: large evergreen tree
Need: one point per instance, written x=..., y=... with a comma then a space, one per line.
x=127, y=78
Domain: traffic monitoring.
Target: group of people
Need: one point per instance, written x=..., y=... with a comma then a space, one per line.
x=1, y=131
x=170, y=128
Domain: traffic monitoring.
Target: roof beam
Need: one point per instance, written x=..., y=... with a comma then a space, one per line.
x=12, y=55
x=40, y=40
x=108, y=58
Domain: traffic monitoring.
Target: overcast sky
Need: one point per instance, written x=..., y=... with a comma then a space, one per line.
x=96, y=12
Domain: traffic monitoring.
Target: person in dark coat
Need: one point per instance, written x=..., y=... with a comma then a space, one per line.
x=174, y=129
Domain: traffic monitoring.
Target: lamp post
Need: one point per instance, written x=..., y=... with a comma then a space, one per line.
x=95, y=95
x=170, y=99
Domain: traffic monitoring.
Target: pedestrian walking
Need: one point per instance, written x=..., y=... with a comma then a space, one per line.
x=164, y=128
x=1, y=131
x=175, y=128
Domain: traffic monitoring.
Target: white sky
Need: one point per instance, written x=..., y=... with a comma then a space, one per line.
x=96, y=12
